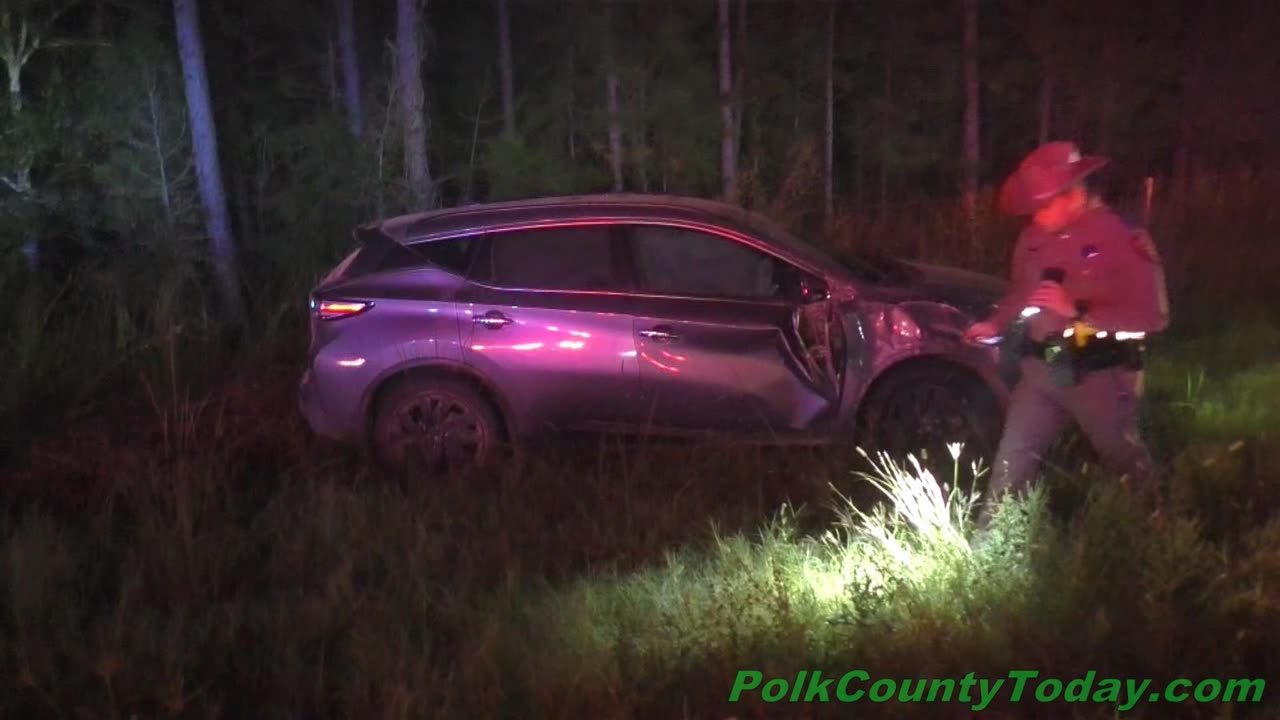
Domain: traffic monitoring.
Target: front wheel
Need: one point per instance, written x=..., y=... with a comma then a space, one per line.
x=924, y=410
x=435, y=425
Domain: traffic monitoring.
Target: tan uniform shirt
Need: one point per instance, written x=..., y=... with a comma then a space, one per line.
x=1113, y=267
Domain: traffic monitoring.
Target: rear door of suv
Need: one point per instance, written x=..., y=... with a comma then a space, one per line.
x=546, y=320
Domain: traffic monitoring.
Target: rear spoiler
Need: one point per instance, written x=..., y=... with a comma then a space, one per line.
x=376, y=249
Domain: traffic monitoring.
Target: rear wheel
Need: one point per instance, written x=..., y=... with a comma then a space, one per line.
x=924, y=408
x=436, y=426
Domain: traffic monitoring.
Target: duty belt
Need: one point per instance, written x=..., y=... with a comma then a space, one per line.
x=1097, y=354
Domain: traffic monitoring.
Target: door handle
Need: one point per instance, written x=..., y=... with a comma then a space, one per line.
x=493, y=320
x=661, y=333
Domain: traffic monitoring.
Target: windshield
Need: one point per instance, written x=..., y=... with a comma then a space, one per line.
x=877, y=268
x=865, y=266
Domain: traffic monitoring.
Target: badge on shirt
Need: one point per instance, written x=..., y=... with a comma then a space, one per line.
x=1144, y=246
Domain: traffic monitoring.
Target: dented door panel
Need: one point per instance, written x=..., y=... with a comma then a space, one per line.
x=729, y=365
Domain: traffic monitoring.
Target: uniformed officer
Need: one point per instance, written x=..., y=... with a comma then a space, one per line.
x=1086, y=289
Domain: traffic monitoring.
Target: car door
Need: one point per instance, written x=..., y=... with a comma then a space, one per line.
x=546, y=321
x=718, y=336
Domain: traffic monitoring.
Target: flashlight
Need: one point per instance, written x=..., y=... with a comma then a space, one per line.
x=1050, y=274
x=1080, y=330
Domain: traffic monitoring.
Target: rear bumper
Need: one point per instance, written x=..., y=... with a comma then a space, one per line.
x=313, y=411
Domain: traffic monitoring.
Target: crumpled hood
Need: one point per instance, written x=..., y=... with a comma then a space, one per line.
x=970, y=291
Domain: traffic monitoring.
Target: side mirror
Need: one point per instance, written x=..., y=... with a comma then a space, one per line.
x=803, y=288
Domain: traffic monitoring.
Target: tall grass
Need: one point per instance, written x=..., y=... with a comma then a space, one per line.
x=206, y=586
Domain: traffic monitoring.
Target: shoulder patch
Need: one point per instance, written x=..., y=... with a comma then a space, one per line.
x=1144, y=245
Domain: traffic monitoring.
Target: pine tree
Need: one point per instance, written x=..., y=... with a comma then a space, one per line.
x=204, y=142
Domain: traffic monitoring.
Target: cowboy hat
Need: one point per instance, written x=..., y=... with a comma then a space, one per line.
x=1042, y=175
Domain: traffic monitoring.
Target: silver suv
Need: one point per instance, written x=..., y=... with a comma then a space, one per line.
x=450, y=334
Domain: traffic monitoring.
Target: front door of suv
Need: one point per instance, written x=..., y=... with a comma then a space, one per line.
x=719, y=345
x=546, y=321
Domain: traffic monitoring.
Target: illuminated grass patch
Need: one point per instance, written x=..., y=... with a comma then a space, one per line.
x=907, y=560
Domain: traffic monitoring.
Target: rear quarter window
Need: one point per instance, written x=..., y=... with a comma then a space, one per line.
x=454, y=255
x=385, y=255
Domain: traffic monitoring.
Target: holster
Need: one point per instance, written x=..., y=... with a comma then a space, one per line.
x=1012, y=349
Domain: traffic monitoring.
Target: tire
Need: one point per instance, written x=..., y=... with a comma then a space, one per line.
x=437, y=426
x=921, y=408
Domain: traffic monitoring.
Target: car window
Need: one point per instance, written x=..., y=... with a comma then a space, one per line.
x=399, y=257
x=558, y=258
x=453, y=254
x=679, y=261
x=379, y=253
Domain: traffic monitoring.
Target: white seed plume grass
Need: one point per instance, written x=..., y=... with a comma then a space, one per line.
x=915, y=534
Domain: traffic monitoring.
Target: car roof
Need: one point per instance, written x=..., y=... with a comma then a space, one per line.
x=624, y=206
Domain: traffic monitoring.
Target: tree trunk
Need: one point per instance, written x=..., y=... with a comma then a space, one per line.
x=20, y=182
x=1106, y=104
x=505, y=69
x=1182, y=160
x=615, y=130
x=728, y=160
x=14, y=66
x=157, y=143
x=204, y=142
x=475, y=142
x=739, y=75
x=611, y=90
x=1107, y=96
x=1046, y=108
x=1191, y=36
x=859, y=164
x=380, y=204
x=830, y=130
x=573, y=125
x=350, y=67
x=98, y=21
x=640, y=140
x=331, y=70
x=884, y=137
x=409, y=62
x=661, y=149
x=971, y=93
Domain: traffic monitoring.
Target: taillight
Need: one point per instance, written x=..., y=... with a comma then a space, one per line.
x=337, y=309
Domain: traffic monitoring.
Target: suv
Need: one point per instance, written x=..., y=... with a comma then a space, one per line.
x=449, y=334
